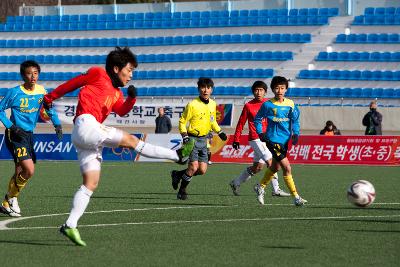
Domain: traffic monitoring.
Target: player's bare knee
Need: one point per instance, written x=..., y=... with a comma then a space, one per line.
x=27, y=172
x=91, y=185
x=129, y=141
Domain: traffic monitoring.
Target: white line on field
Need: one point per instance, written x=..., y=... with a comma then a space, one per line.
x=3, y=224
x=215, y=221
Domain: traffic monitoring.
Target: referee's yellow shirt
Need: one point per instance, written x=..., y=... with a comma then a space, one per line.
x=199, y=118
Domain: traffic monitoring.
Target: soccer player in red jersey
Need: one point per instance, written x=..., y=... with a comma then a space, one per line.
x=98, y=97
x=262, y=155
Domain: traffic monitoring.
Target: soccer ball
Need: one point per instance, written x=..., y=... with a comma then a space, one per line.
x=361, y=193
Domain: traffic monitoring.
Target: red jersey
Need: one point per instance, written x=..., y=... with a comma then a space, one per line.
x=249, y=111
x=97, y=97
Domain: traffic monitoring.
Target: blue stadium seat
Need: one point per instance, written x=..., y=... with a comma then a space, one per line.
x=294, y=12
x=333, y=12
x=343, y=56
x=355, y=75
x=303, y=12
x=388, y=93
x=341, y=38
x=366, y=92
x=335, y=75
x=356, y=92
x=393, y=38
x=322, y=56
x=304, y=74
x=396, y=93
x=366, y=75
x=333, y=56
x=354, y=56
x=377, y=93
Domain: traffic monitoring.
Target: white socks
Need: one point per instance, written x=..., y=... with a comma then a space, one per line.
x=275, y=183
x=158, y=152
x=79, y=205
x=243, y=177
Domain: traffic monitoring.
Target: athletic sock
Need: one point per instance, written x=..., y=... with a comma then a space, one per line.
x=79, y=204
x=290, y=184
x=16, y=185
x=267, y=178
x=158, y=152
x=275, y=183
x=243, y=177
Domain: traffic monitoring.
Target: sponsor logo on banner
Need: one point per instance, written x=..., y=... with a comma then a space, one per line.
x=48, y=147
x=144, y=115
x=357, y=150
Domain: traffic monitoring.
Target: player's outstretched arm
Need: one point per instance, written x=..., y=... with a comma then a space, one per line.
x=69, y=86
x=122, y=107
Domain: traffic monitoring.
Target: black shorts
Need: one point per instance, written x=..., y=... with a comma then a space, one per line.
x=278, y=150
x=21, y=148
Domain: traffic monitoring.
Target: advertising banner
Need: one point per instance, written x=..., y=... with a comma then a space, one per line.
x=358, y=150
x=48, y=147
x=171, y=141
x=144, y=115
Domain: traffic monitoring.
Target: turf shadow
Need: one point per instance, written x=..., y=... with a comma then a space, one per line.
x=366, y=220
x=375, y=231
x=37, y=242
x=283, y=247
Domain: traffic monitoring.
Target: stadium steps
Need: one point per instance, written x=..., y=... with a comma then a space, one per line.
x=305, y=54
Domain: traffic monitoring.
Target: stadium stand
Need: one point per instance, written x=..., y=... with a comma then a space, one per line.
x=233, y=47
x=366, y=58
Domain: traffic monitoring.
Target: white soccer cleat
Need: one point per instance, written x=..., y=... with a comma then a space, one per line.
x=6, y=210
x=260, y=193
x=235, y=188
x=14, y=205
x=299, y=201
x=280, y=193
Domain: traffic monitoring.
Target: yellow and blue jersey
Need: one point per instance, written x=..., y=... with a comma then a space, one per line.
x=25, y=106
x=201, y=118
x=283, y=120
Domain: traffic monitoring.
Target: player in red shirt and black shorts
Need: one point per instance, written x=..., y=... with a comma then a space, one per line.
x=262, y=155
x=98, y=97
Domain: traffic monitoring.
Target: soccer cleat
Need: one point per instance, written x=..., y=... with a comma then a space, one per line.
x=300, y=201
x=72, y=234
x=182, y=195
x=14, y=205
x=235, y=188
x=280, y=193
x=260, y=193
x=5, y=208
x=175, y=179
x=185, y=151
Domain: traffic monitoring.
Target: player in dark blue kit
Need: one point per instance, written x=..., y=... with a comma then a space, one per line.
x=283, y=119
x=25, y=102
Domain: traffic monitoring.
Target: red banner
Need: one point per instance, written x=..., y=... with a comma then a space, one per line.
x=351, y=150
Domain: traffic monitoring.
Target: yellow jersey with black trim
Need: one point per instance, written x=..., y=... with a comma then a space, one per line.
x=199, y=118
x=25, y=106
x=283, y=120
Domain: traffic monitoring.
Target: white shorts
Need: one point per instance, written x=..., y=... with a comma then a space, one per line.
x=261, y=152
x=89, y=137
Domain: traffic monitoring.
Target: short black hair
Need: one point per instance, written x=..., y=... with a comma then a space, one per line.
x=278, y=80
x=120, y=57
x=205, y=82
x=27, y=64
x=259, y=84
